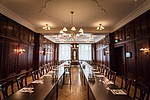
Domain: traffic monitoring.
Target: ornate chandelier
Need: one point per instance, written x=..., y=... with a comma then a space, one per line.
x=100, y=27
x=46, y=27
x=72, y=32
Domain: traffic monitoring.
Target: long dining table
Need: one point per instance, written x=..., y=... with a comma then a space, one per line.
x=97, y=89
x=45, y=90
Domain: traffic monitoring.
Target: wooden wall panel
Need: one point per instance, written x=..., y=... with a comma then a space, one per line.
x=101, y=48
x=30, y=57
x=129, y=31
x=12, y=57
x=24, y=36
x=136, y=37
x=137, y=27
x=46, y=52
x=130, y=62
x=3, y=27
x=14, y=36
x=143, y=61
x=23, y=58
x=1, y=57
x=132, y=37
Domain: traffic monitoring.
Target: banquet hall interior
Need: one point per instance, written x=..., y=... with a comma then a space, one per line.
x=74, y=49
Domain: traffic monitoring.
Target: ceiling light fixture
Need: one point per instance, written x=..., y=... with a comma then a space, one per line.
x=100, y=27
x=46, y=27
x=73, y=31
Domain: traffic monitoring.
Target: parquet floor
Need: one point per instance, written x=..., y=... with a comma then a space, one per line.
x=75, y=91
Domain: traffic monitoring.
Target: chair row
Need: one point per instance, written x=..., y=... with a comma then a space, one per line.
x=126, y=83
x=21, y=80
x=107, y=72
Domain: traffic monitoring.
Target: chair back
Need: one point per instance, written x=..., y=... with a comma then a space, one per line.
x=144, y=92
x=112, y=76
x=41, y=71
x=4, y=88
x=21, y=81
x=107, y=72
x=126, y=85
x=35, y=75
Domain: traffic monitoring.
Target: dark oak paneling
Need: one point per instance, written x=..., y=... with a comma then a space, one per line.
x=102, y=51
x=15, y=36
x=130, y=62
x=143, y=60
x=132, y=37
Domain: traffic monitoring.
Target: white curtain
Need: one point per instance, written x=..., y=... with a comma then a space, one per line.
x=64, y=52
x=85, y=52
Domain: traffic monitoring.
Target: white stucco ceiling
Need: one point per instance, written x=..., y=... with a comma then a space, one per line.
x=34, y=14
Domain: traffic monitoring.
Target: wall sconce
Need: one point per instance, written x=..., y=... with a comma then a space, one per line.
x=106, y=52
x=19, y=51
x=145, y=50
x=41, y=52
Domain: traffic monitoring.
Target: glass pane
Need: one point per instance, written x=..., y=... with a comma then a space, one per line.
x=84, y=51
x=64, y=52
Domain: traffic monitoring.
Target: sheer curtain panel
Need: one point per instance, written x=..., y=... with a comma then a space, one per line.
x=85, y=51
x=64, y=52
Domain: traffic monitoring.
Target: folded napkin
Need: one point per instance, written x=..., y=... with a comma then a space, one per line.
x=28, y=90
x=54, y=69
x=94, y=69
x=107, y=88
x=38, y=81
x=96, y=72
x=51, y=72
x=118, y=92
x=107, y=82
x=100, y=76
x=47, y=75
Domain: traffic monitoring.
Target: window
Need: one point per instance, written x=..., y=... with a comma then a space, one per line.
x=64, y=52
x=85, y=51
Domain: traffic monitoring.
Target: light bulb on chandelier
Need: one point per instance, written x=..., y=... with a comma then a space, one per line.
x=100, y=27
x=73, y=28
x=46, y=27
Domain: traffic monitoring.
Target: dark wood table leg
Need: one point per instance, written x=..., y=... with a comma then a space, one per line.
x=57, y=91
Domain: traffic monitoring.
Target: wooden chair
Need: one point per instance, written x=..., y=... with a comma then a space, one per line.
x=107, y=72
x=112, y=76
x=4, y=88
x=35, y=75
x=127, y=84
x=68, y=72
x=46, y=69
x=41, y=71
x=102, y=69
x=144, y=91
x=21, y=81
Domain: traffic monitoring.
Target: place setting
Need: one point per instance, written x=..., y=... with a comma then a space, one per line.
x=106, y=81
x=27, y=90
x=38, y=82
x=118, y=91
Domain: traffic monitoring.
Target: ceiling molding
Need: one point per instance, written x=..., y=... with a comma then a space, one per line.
x=12, y=15
x=137, y=12
x=145, y=6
